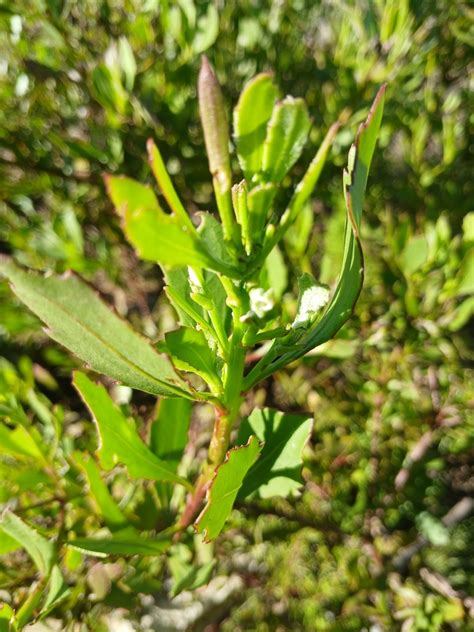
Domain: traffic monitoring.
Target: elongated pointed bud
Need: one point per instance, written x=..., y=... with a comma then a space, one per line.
x=214, y=123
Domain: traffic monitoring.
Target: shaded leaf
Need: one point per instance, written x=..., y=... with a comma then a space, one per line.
x=80, y=321
x=225, y=487
x=190, y=352
x=119, y=441
x=278, y=470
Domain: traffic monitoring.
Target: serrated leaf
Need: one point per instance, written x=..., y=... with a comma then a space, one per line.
x=101, y=547
x=190, y=351
x=80, y=321
x=224, y=488
x=40, y=549
x=106, y=505
x=278, y=470
x=119, y=439
x=287, y=132
x=251, y=116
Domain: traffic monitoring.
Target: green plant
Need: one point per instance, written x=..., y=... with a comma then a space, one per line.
x=217, y=279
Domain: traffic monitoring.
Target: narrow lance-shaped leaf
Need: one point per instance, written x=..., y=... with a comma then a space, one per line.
x=99, y=491
x=157, y=236
x=225, y=487
x=102, y=547
x=41, y=550
x=119, y=441
x=251, y=116
x=286, y=135
x=80, y=321
x=352, y=273
x=278, y=470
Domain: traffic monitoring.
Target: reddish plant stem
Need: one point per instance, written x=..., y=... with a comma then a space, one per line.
x=216, y=455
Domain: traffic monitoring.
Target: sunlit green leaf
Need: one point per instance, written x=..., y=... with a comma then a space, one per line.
x=119, y=440
x=40, y=549
x=79, y=320
x=251, y=117
x=190, y=351
x=101, y=547
x=278, y=470
x=225, y=487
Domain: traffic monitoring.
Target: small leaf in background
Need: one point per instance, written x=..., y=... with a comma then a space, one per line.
x=312, y=298
x=207, y=30
x=287, y=132
x=127, y=62
x=251, y=116
x=225, y=487
x=107, y=507
x=80, y=321
x=186, y=575
x=169, y=430
x=19, y=442
x=101, y=547
x=190, y=351
x=7, y=618
x=41, y=550
x=108, y=90
x=119, y=440
x=414, y=255
x=432, y=529
x=278, y=470
x=58, y=590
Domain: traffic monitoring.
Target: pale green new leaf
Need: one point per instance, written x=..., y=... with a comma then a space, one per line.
x=286, y=135
x=251, y=116
x=119, y=441
x=41, y=550
x=157, y=236
x=79, y=320
x=278, y=470
x=224, y=488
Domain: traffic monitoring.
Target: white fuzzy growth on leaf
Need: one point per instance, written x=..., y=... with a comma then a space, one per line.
x=312, y=298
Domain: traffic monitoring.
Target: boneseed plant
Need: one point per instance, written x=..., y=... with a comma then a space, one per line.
x=226, y=311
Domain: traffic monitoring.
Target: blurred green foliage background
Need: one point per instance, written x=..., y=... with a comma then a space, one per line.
x=82, y=86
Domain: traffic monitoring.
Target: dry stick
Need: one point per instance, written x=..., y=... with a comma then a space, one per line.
x=456, y=514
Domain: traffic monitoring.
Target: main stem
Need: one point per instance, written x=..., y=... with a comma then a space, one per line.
x=225, y=415
x=216, y=455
